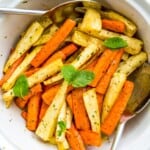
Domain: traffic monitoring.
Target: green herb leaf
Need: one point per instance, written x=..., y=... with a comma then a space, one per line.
x=68, y=72
x=21, y=87
x=82, y=78
x=62, y=126
x=78, y=78
x=115, y=43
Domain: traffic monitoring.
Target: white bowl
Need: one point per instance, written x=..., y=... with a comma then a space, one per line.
x=13, y=133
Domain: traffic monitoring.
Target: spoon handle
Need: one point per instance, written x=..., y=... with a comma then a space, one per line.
x=118, y=135
x=17, y=11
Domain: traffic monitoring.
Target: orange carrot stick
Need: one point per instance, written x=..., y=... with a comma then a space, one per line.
x=102, y=66
x=69, y=49
x=24, y=114
x=11, y=70
x=21, y=102
x=74, y=139
x=43, y=109
x=111, y=121
x=47, y=87
x=31, y=71
x=100, y=98
x=63, y=53
x=70, y=102
x=91, y=66
x=51, y=91
x=104, y=82
x=79, y=111
x=53, y=43
x=91, y=138
x=33, y=112
x=55, y=56
x=49, y=94
x=113, y=25
x=70, y=88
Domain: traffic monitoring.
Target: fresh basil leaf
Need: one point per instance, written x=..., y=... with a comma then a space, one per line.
x=62, y=126
x=21, y=87
x=68, y=72
x=78, y=78
x=115, y=43
x=82, y=78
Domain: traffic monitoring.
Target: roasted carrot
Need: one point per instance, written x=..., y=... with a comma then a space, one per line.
x=24, y=115
x=91, y=138
x=43, y=109
x=102, y=66
x=111, y=121
x=46, y=87
x=104, y=82
x=33, y=112
x=69, y=49
x=113, y=25
x=52, y=45
x=79, y=111
x=30, y=71
x=91, y=66
x=74, y=139
x=55, y=56
x=36, y=89
x=63, y=53
x=49, y=94
x=70, y=102
x=100, y=98
x=21, y=102
x=51, y=91
x=11, y=70
x=70, y=88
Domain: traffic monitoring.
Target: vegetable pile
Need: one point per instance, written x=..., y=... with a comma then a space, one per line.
x=69, y=74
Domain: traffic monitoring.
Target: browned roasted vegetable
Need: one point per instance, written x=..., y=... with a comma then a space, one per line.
x=141, y=89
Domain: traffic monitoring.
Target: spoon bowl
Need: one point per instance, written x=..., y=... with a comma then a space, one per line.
x=18, y=11
x=124, y=119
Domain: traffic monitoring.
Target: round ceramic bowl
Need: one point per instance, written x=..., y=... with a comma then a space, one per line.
x=13, y=133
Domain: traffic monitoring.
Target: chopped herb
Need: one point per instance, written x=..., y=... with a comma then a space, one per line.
x=115, y=43
x=82, y=78
x=93, y=116
x=78, y=57
x=68, y=73
x=21, y=87
x=78, y=78
x=62, y=126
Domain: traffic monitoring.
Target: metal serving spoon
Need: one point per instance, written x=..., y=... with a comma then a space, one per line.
x=18, y=11
x=138, y=101
x=125, y=118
